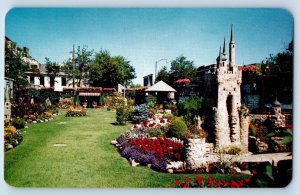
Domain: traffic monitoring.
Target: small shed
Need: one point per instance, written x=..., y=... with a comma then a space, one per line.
x=163, y=91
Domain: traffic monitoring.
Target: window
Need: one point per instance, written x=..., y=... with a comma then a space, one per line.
x=63, y=81
x=42, y=80
x=51, y=82
x=32, y=79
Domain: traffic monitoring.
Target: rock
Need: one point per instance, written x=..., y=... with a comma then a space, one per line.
x=26, y=127
x=170, y=170
x=41, y=121
x=237, y=169
x=133, y=163
x=149, y=165
x=175, y=165
x=34, y=122
x=46, y=120
x=113, y=142
x=247, y=172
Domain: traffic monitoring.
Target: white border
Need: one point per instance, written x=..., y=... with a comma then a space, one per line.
x=292, y=5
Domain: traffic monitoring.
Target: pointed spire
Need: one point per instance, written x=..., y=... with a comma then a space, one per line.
x=231, y=35
x=220, y=54
x=224, y=50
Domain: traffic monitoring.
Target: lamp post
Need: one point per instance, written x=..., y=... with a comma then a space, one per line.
x=156, y=66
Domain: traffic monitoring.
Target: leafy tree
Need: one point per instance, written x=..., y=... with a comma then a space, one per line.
x=82, y=60
x=278, y=72
x=163, y=75
x=15, y=67
x=109, y=71
x=52, y=69
x=181, y=68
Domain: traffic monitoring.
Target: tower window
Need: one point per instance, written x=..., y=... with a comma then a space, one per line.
x=232, y=46
x=224, y=89
x=233, y=89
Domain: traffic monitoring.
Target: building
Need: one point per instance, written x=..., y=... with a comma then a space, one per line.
x=37, y=75
x=223, y=100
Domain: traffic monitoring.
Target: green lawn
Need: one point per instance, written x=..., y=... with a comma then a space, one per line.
x=87, y=160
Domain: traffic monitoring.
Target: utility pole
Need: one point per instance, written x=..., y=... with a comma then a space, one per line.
x=73, y=63
x=156, y=67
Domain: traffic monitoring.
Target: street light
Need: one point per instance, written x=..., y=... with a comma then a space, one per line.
x=156, y=66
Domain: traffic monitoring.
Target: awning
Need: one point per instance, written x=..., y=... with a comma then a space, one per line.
x=88, y=94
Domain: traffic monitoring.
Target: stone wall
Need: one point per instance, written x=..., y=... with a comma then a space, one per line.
x=196, y=153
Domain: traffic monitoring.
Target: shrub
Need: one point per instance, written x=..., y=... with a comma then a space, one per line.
x=231, y=150
x=156, y=132
x=19, y=123
x=122, y=115
x=252, y=130
x=190, y=108
x=140, y=113
x=193, y=132
x=101, y=101
x=65, y=103
x=177, y=128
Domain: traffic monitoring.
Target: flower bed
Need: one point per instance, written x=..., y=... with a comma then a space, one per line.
x=75, y=112
x=211, y=183
x=146, y=144
x=12, y=137
x=153, y=152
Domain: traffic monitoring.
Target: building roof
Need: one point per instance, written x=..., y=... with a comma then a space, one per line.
x=160, y=87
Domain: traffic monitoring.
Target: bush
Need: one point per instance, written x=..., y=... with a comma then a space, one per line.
x=19, y=123
x=177, y=128
x=65, y=103
x=252, y=130
x=190, y=108
x=234, y=150
x=156, y=132
x=122, y=115
x=101, y=101
x=140, y=113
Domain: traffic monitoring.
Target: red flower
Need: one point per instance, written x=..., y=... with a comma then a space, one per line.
x=185, y=185
x=199, y=180
x=177, y=182
x=234, y=184
x=254, y=172
x=188, y=180
x=241, y=182
x=211, y=181
x=219, y=184
x=247, y=180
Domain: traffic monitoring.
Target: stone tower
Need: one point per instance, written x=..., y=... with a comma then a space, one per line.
x=223, y=97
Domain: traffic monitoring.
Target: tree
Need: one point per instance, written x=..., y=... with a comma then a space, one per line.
x=52, y=70
x=109, y=71
x=163, y=75
x=181, y=68
x=82, y=60
x=278, y=71
x=15, y=66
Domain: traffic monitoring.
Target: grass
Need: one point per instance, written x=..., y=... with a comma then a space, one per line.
x=87, y=161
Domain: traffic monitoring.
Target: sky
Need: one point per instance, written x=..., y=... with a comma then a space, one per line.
x=144, y=36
